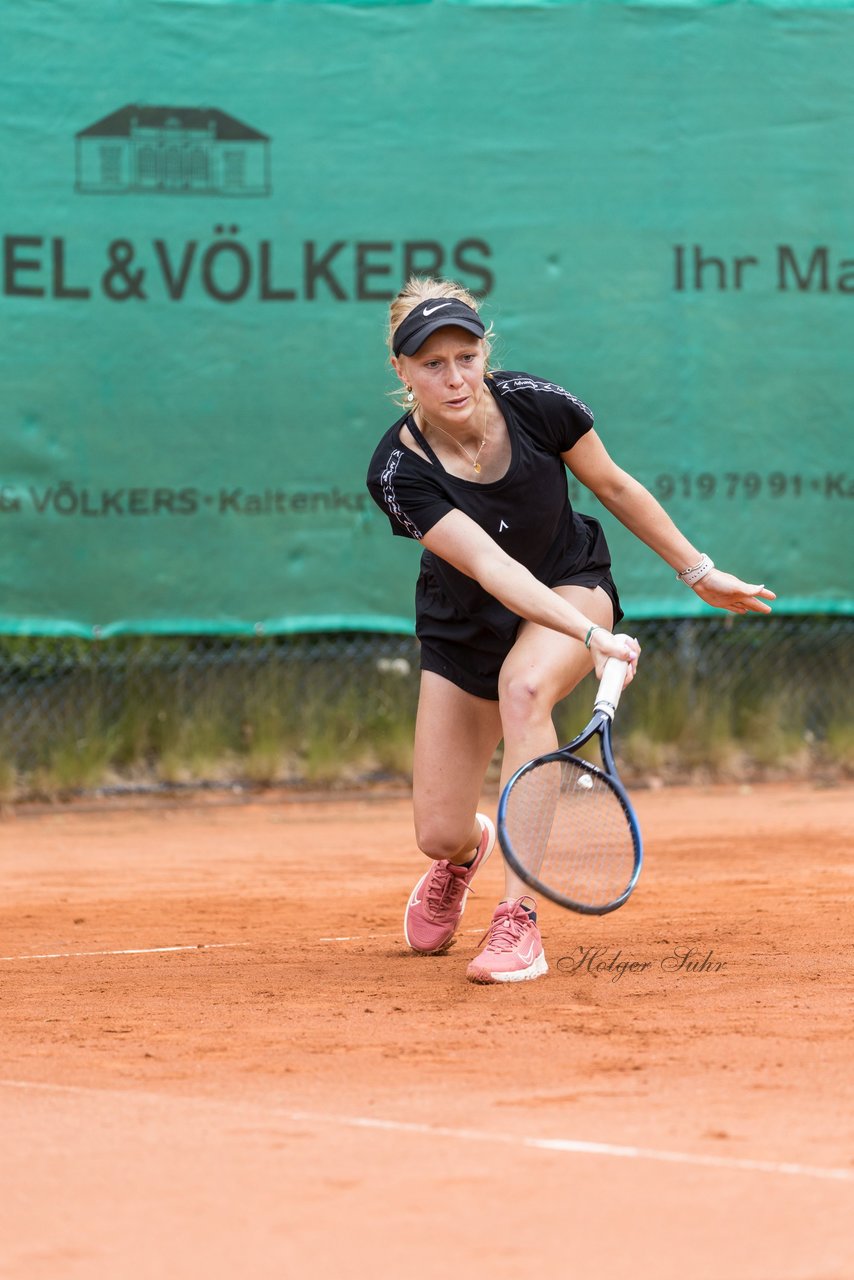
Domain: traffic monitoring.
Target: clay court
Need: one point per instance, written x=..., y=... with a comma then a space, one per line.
x=219, y=1059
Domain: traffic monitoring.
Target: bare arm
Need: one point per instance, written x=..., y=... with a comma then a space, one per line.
x=461, y=542
x=636, y=508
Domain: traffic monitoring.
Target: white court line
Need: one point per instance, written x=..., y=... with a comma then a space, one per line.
x=129, y=951
x=200, y=946
x=577, y=1147
x=392, y=933
x=364, y=937
x=563, y=1146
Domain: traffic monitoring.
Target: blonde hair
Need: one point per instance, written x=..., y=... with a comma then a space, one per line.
x=417, y=290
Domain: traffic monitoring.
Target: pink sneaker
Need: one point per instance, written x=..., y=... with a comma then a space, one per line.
x=437, y=902
x=514, y=948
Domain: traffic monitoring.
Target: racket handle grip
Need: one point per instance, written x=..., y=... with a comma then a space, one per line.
x=610, y=687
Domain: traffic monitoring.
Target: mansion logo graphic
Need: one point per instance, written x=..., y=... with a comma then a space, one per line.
x=225, y=256
x=172, y=151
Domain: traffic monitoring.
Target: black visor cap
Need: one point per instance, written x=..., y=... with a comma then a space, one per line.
x=433, y=314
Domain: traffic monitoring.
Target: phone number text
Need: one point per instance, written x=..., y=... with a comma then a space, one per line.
x=751, y=484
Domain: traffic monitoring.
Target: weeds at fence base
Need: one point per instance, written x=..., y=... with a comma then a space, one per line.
x=712, y=703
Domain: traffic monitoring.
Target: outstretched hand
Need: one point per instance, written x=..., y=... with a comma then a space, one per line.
x=727, y=592
x=603, y=646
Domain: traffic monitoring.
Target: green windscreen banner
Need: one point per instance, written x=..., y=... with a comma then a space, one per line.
x=206, y=208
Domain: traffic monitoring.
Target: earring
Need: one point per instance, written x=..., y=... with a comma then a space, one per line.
x=409, y=396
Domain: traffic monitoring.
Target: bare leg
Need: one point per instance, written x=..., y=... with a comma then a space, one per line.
x=542, y=668
x=456, y=735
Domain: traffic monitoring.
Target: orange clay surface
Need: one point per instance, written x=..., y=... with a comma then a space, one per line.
x=217, y=1058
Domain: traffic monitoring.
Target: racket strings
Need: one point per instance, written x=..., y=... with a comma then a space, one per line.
x=568, y=828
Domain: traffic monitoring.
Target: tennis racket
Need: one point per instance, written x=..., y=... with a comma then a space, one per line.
x=566, y=826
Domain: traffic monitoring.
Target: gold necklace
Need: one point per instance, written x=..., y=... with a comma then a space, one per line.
x=473, y=460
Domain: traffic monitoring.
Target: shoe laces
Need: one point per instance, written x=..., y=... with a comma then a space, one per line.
x=443, y=887
x=507, y=929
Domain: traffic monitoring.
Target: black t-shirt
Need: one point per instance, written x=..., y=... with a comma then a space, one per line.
x=527, y=511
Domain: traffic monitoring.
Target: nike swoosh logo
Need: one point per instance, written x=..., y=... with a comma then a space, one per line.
x=429, y=312
x=415, y=901
x=529, y=956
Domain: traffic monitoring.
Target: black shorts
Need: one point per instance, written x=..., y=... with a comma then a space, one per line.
x=473, y=662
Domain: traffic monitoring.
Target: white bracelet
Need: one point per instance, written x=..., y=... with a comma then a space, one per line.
x=703, y=566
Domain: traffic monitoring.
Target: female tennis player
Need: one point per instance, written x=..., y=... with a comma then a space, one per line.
x=515, y=602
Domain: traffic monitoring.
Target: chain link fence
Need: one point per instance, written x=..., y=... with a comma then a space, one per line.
x=721, y=698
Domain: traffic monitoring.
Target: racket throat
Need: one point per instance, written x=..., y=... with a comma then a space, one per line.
x=608, y=752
